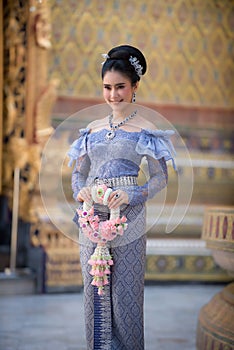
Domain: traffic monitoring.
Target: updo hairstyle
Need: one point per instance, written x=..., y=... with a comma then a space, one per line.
x=118, y=60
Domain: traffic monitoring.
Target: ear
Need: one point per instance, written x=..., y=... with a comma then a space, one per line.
x=135, y=87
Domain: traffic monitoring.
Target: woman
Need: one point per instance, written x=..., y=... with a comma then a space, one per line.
x=110, y=151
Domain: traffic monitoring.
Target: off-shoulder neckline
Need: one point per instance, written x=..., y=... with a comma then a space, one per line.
x=107, y=130
x=167, y=132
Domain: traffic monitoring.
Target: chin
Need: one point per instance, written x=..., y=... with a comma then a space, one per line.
x=118, y=106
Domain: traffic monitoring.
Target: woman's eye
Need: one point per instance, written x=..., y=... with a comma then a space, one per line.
x=107, y=87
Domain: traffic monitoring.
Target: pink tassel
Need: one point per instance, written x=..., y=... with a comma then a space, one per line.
x=100, y=262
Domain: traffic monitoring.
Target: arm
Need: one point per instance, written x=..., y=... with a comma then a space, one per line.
x=80, y=174
x=158, y=178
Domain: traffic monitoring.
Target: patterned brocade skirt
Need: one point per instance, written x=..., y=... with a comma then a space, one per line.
x=115, y=321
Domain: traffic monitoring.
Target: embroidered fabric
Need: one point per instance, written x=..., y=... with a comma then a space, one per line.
x=96, y=157
x=115, y=321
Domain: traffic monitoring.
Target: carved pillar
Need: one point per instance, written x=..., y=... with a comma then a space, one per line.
x=40, y=93
x=28, y=96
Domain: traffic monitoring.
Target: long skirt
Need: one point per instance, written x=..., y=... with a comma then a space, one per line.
x=115, y=321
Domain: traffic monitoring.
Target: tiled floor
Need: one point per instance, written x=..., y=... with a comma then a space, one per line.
x=55, y=321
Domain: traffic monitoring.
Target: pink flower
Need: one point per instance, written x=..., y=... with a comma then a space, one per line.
x=123, y=219
x=118, y=221
x=91, y=262
x=98, y=283
x=79, y=212
x=98, y=231
x=91, y=211
x=99, y=262
x=94, y=225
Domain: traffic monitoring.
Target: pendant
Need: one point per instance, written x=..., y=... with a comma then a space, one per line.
x=110, y=135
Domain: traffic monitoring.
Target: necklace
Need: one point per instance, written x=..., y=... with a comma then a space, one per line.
x=111, y=134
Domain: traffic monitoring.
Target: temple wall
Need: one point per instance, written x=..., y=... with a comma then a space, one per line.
x=188, y=45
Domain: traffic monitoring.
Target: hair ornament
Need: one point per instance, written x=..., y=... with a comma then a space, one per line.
x=106, y=56
x=135, y=63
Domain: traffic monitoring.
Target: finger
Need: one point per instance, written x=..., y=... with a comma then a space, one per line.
x=115, y=205
x=112, y=195
x=85, y=194
x=115, y=202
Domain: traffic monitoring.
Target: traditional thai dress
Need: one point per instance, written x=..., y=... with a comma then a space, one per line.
x=115, y=321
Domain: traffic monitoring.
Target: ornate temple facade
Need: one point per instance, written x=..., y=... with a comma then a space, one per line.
x=50, y=69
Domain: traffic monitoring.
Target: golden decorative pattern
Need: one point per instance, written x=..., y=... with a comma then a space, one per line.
x=16, y=150
x=62, y=269
x=15, y=21
x=62, y=263
x=215, y=323
x=28, y=97
x=182, y=267
x=188, y=45
x=218, y=228
x=218, y=232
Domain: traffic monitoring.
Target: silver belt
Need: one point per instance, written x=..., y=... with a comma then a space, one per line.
x=117, y=181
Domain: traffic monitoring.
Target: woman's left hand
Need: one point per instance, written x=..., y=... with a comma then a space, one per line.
x=117, y=198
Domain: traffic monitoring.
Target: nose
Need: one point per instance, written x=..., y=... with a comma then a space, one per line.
x=113, y=93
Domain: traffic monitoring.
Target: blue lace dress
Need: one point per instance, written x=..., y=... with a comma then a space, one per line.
x=115, y=321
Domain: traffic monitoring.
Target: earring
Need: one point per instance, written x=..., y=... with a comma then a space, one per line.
x=134, y=97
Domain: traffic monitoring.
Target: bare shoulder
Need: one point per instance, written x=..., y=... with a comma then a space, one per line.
x=145, y=124
x=98, y=124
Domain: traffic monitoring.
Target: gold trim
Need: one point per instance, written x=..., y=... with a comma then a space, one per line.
x=184, y=268
x=218, y=226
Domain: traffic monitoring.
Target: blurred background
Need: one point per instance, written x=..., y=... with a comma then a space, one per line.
x=50, y=69
x=50, y=62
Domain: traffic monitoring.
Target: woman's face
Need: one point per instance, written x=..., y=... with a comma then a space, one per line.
x=117, y=90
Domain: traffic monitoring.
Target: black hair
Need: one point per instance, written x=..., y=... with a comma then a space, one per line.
x=118, y=60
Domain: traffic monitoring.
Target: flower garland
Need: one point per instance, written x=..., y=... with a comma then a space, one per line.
x=101, y=232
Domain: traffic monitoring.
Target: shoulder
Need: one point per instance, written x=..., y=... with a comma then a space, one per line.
x=98, y=124
x=143, y=123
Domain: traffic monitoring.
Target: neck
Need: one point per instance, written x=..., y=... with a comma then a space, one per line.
x=118, y=117
x=122, y=114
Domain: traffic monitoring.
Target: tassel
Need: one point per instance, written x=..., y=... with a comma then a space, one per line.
x=100, y=261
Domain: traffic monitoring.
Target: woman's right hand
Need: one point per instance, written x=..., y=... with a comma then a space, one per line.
x=84, y=195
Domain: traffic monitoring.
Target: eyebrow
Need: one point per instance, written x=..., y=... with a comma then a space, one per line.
x=116, y=85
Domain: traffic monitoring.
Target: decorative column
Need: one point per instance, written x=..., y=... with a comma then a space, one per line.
x=41, y=93
x=215, y=324
x=28, y=97
x=27, y=103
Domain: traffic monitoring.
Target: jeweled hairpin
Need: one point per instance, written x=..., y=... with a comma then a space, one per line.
x=135, y=63
x=106, y=56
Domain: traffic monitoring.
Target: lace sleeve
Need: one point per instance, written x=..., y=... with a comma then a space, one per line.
x=158, y=178
x=80, y=174
x=78, y=153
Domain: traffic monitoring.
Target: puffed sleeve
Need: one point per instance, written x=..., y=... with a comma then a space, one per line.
x=157, y=144
x=78, y=153
x=157, y=147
